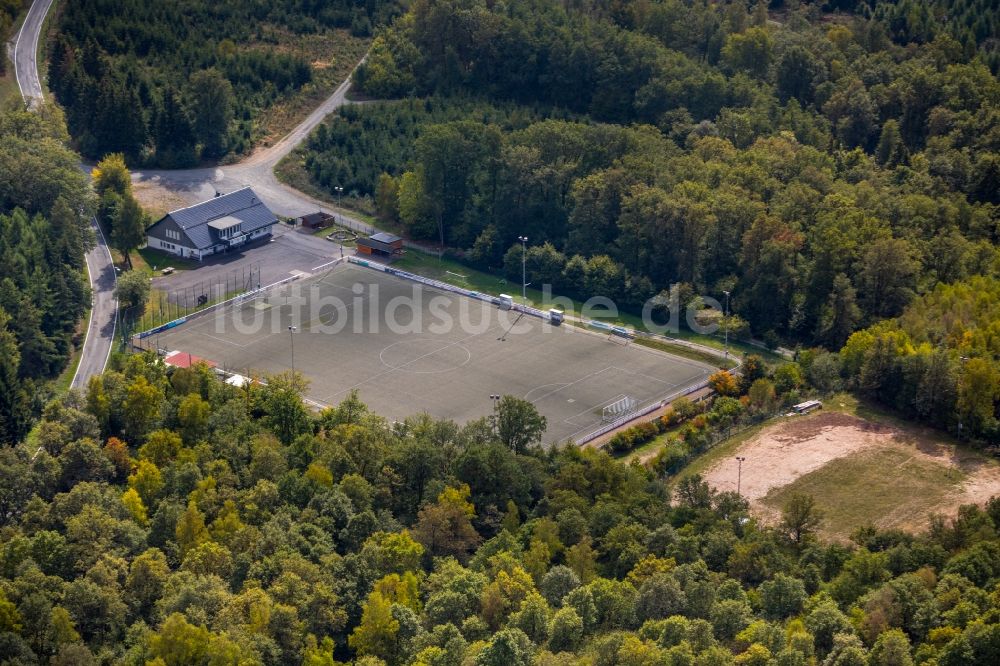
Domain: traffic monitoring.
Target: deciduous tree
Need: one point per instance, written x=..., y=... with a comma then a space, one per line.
x=445, y=528
x=376, y=634
x=519, y=424
x=128, y=229
x=800, y=517
x=132, y=290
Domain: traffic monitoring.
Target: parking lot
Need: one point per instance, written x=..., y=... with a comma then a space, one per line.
x=288, y=251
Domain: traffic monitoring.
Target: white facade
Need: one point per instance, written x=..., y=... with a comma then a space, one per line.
x=194, y=253
x=172, y=248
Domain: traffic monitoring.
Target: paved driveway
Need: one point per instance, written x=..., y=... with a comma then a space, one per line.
x=288, y=251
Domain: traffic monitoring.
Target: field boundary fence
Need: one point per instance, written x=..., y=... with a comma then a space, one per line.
x=238, y=298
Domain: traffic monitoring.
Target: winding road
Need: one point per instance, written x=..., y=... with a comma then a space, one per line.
x=194, y=185
x=26, y=53
x=100, y=331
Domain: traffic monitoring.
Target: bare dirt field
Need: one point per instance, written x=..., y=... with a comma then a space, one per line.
x=859, y=472
x=156, y=199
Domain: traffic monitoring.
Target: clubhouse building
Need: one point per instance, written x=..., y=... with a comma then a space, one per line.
x=214, y=226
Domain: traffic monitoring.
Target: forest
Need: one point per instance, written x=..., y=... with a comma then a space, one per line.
x=827, y=168
x=164, y=517
x=937, y=362
x=169, y=83
x=43, y=237
x=9, y=10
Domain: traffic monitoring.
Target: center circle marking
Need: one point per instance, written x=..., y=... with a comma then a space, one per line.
x=424, y=356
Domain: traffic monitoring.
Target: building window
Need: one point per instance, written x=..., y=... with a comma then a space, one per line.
x=231, y=232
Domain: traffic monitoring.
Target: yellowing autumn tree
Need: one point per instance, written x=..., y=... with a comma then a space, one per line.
x=723, y=383
x=445, y=528
x=376, y=634
x=191, y=531
x=135, y=507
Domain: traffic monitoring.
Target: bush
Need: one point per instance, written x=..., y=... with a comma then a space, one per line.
x=697, y=436
x=723, y=383
x=685, y=408
x=672, y=458
x=637, y=435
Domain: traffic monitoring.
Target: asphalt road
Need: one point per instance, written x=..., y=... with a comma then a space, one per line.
x=25, y=53
x=104, y=305
x=101, y=324
x=192, y=184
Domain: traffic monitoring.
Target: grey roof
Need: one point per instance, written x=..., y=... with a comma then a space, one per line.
x=243, y=206
x=384, y=237
x=374, y=243
x=226, y=222
x=313, y=218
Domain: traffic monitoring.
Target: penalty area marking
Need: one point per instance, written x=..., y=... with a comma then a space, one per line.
x=527, y=396
x=316, y=268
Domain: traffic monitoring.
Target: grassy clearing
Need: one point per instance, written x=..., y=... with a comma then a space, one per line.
x=686, y=352
x=156, y=199
x=649, y=449
x=291, y=171
x=64, y=381
x=869, y=411
x=842, y=402
x=334, y=228
x=884, y=483
x=159, y=310
x=146, y=258
x=447, y=270
x=861, y=465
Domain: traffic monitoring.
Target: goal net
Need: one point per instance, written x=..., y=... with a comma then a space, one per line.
x=619, y=408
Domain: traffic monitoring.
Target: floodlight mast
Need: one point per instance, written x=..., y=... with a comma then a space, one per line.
x=726, y=323
x=524, y=268
x=739, y=473
x=495, y=399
